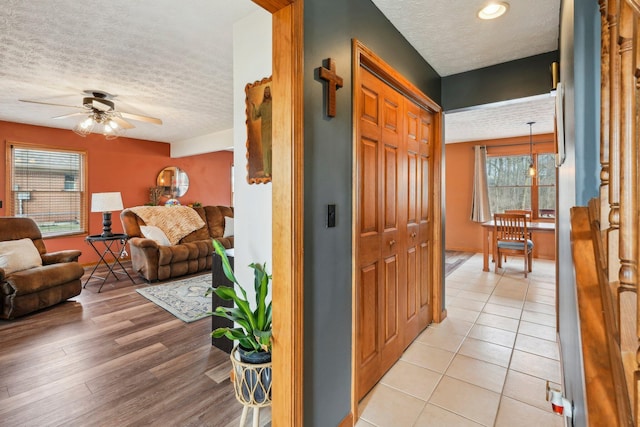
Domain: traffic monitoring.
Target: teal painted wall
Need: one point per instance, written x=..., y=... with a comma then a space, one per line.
x=578, y=177
x=510, y=80
x=329, y=26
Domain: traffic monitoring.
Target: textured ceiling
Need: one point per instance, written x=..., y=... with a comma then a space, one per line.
x=464, y=42
x=173, y=60
x=163, y=58
x=453, y=39
x=501, y=120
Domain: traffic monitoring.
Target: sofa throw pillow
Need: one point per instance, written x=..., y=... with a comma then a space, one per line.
x=18, y=255
x=154, y=233
x=228, y=227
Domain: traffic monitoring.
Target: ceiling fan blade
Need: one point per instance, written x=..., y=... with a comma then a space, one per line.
x=140, y=118
x=50, y=103
x=68, y=115
x=122, y=122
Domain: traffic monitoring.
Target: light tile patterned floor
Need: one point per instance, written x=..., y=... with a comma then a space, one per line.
x=487, y=364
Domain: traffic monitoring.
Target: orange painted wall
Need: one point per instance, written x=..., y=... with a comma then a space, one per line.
x=126, y=165
x=461, y=233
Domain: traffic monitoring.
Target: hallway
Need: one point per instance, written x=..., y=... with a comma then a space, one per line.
x=487, y=364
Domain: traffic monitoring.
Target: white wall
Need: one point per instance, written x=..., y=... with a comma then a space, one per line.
x=252, y=203
x=209, y=143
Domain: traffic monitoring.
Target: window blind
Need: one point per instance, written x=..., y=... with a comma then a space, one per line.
x=48, y=185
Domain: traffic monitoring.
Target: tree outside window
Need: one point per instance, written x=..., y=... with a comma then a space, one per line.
x=511, y=186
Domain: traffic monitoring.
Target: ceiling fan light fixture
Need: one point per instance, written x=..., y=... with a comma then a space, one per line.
x=108, y=127
x=111, y=130
x=84, y=127
x=493, y=10
x=100, y=115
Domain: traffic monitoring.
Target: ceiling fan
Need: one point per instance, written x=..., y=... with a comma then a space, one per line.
x=100, y=110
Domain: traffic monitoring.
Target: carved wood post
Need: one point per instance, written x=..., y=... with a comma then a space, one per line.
x=604, y=119
x=613, y=9
x=628, y=159
x=634, y=7
x=628, y=172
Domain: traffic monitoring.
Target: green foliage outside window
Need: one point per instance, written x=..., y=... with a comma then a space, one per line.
x=511, y=186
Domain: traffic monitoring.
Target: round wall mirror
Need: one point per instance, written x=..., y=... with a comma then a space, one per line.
x=174, y=182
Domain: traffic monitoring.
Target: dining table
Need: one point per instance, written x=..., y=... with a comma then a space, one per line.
x=488, y=243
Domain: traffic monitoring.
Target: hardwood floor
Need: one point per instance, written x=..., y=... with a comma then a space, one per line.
x=113, y=359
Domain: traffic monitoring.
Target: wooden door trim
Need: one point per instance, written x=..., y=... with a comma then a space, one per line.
x=288, y=220
x=363, y=56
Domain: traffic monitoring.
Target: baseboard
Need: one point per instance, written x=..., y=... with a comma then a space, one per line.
x=474, y=250
x=347, y=421
x=443, y=315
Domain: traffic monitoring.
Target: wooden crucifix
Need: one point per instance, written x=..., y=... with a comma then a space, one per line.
x=334, y=82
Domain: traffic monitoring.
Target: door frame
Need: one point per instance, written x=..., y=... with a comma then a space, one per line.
x=363, y=56
x=288, y=220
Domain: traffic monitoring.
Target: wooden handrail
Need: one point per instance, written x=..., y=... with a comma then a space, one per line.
x=605, y=385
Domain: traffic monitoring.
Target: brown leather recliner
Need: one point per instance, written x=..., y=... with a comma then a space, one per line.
x=26, y=291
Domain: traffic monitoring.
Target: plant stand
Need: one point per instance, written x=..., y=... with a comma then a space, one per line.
x=252, y=385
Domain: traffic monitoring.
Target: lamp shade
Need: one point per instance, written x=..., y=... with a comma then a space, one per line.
x=106, y=202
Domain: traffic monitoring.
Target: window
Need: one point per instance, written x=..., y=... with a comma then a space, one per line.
x=48, y=185
x=546, y=183
x=511, y=187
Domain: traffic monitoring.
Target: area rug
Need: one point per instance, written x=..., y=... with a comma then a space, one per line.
x=454, y=259
x=183, y=298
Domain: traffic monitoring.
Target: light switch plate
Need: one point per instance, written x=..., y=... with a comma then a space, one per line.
x=331, y=216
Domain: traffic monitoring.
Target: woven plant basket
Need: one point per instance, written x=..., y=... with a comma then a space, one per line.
x=251, y=382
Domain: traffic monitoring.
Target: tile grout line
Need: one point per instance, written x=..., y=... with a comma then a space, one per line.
x=502, y=279
x=457, y=352
x=513, y=348
x=495, y=420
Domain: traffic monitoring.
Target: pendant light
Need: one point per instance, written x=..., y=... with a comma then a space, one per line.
x=532, y=169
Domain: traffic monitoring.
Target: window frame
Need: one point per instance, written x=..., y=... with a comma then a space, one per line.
x=83, y=191
x=522, y=149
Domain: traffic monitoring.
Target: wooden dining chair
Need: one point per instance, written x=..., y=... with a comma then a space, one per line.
x=526, y=212
x=511, y=238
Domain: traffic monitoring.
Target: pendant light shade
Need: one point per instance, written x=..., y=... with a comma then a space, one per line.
x=532, y=168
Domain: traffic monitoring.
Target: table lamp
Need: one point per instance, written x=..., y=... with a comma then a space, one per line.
x=106, y=203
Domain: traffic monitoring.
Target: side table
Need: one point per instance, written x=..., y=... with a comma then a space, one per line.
x=114, y=254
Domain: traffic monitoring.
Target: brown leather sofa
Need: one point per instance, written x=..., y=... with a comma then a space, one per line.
x=26, y=291
x=192, y=253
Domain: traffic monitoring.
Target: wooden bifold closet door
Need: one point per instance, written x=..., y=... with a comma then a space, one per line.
x=394, y=226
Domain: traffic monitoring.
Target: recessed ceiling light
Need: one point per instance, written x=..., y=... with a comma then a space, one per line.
x=493, y=10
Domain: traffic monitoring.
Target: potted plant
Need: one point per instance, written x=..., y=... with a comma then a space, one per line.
x=252, y=329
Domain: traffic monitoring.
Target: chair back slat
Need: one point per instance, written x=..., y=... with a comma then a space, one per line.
x=511, y=227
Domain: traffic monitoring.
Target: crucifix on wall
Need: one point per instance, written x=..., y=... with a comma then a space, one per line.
x=334, y=82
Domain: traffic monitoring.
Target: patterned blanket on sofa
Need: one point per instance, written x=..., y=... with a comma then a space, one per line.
x=176, y=221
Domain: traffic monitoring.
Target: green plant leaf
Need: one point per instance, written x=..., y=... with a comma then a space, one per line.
x=254, y=332
x=235, y=315
x=226, y=266
x=268, y=317
x=236, y=332
x=261, y=285
x=227, y=293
